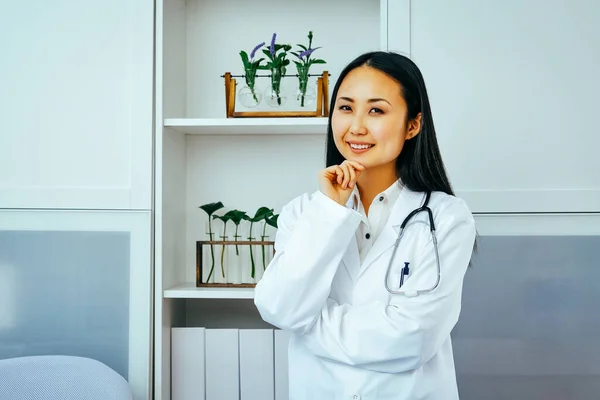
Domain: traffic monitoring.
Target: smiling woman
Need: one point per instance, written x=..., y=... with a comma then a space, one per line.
x=370, y=315
x=393, y=106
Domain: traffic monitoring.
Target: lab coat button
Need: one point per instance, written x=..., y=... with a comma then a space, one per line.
x=356, y=397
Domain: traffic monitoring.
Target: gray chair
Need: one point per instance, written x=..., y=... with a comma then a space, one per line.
x=60, y=378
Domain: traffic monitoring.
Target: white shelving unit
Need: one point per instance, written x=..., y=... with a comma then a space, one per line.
x=190, y=291
x=202, y=157
x=248, y=126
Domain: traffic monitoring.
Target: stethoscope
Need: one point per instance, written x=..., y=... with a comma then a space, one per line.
x=405, y=269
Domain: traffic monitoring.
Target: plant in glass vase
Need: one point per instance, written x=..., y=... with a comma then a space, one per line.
x=236, y=216
x=248, y=94
x=235, y=262
x=225, y=218
x=306, y=95
x=261, y=213
x=277, y=62
x=210, y=209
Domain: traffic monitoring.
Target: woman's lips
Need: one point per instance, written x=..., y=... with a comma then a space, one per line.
x=360, y=147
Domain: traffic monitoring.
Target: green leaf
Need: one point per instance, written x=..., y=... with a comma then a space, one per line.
x=210, y=208
x=317, y=61
x=272, y=220
x=268, y=54
x=302, y=47
x=285, y=47
x=225, y=218
x=236, y=216
x=260, y=214
x=245, y=58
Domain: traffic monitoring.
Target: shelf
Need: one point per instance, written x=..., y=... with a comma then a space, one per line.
x=248, y=126
x=190, y=291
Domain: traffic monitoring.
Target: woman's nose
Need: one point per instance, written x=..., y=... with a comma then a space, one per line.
x=358, y=126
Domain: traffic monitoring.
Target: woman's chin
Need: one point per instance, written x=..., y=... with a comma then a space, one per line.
x=362, y=160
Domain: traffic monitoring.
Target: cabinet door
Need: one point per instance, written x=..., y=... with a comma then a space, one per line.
x=76, y=113
x=514, y=90
x=529, y=323
x=395, y=26
x=78, y=283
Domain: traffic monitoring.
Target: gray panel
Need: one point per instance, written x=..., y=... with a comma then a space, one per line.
x=223, y=314
x=65, y=293
x=530, y=323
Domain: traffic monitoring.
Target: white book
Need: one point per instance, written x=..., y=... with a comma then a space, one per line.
x=281, y=342
x=187, y=363
x=256, y=364
x=222, y=364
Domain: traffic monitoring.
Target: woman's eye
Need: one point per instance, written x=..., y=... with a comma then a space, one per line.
x=345, y=108
x=377, y=110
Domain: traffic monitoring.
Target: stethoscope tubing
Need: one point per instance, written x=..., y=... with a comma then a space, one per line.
x=413, y=293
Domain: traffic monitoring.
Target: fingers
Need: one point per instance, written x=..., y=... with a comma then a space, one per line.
x=345, y=174
x=356, y=165
x=352, y=170
x=340, y=174
x=335, y=174
x=348, y=172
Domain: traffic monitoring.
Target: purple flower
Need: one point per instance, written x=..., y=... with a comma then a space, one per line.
x=272, y=48
x=305, y=53
x=255, y=49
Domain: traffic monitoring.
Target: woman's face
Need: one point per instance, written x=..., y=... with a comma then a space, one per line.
x=369, y=118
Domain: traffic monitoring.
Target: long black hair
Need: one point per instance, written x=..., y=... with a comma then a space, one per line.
x=419, y=165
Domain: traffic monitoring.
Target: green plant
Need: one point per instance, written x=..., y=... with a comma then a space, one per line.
x=225, y=218
x=210, y=209
x=236, y=216
x=277, y=64
x=304, y=64
x=251, y=66
x=260, y=214
x=272, y=221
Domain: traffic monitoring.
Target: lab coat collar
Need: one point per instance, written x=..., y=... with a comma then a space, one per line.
x=390, y=194
x=406, y=202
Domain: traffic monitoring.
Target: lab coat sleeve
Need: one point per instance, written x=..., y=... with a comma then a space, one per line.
x=405, y=333
x=312, y=236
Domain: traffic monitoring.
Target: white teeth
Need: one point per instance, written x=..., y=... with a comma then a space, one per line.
x=360, y=146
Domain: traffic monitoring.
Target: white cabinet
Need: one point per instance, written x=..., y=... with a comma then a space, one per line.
x=514, y=90
x=203, y=157
x=78, y=283
x=77, y=104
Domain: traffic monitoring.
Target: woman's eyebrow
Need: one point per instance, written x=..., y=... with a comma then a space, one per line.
x=373, y=100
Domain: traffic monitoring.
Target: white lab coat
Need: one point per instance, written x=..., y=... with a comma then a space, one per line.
x=350, y=338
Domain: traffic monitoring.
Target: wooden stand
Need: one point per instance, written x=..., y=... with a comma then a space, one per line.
x=201, y=243
x=322, y=100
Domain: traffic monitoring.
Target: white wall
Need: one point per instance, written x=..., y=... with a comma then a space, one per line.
x=514, y=89
x=76, y=106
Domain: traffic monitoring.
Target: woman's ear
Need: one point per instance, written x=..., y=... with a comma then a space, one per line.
x=414, y=127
